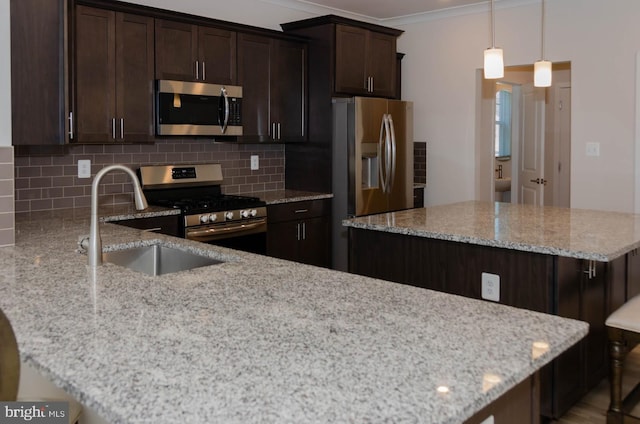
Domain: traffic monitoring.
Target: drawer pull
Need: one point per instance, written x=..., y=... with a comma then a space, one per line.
x=302, y=211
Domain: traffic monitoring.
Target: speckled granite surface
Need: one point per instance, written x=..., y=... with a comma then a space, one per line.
x=257, y=339
x=575, y=233
x=286, y=196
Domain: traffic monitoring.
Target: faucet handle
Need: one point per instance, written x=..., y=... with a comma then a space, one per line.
x=83, y=243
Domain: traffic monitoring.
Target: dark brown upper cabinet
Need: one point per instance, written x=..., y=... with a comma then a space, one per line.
x=187, y=52
x=272, y=73
x=113, y=84
x=354, y=58
x=365, y=62
x=39, y=66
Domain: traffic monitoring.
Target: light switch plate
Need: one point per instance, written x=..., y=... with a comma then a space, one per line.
x=255, y=162
x=84, y=168
x=491, y=287
x=593, y=149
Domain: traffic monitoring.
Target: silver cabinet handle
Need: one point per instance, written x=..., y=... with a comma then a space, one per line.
x=204, y=77
x=304, y=231
x=122, y=128
x=372, y=86
x=301, y=211
x=197, y=70
x=70, y=125
x=298, y=232
x=273, y=131
x=279, y=134
x=113, y=128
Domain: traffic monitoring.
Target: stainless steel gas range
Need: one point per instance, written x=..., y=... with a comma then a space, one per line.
x=207, y=215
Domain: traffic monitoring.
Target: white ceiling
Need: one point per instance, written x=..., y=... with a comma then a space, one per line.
x=389, y=9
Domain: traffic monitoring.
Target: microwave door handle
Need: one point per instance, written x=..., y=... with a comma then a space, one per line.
x=225, y=122
x=392, y=133
x=381, y=170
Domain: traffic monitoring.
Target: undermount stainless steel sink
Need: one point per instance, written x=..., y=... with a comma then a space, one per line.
x=157, y=259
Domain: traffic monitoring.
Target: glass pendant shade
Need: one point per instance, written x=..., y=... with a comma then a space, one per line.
x=542, y=73
x=493, y=63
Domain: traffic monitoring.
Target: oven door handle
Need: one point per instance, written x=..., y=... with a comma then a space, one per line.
x=225, y=230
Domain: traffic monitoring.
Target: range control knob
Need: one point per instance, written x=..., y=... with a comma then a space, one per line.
x=245, y=213
x=228, y=215
x=253, y=212
x=204, y=218
x=213, y=217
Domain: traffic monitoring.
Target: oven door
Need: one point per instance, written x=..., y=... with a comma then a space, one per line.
x=248, y=236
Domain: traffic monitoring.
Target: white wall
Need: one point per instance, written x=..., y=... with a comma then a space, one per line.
x=5, y=74
x=599, y=38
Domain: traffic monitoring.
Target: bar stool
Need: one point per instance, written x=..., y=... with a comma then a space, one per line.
x=623, y=329
x=10, y=371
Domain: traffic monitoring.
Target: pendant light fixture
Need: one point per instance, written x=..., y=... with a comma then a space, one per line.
x=493, y=59
x=542, y=68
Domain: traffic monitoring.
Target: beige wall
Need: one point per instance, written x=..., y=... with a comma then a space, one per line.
x=599, y=38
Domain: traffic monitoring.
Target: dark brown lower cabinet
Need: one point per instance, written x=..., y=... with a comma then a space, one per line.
x=169, y=225
x=519, y=405
x=573, y=288
x=300, y=231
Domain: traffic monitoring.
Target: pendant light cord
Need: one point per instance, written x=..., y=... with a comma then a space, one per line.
x=542, y=30
x=493, y=27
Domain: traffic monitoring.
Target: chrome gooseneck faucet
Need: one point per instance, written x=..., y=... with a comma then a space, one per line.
x=95, y=242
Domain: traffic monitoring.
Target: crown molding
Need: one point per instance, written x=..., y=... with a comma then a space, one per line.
x=476, y=8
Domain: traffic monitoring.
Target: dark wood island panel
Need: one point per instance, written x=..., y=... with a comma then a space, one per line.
x=564, y=286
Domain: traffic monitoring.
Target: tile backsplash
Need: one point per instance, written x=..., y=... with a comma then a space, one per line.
x=46, y=181
x=7, y=234
x=420, y=162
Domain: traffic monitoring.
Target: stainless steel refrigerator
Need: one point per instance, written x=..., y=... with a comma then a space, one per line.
x=372, y=163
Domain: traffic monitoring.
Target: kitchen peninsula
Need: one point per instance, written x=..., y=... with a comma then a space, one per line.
x=258, y=339
x=574, y=263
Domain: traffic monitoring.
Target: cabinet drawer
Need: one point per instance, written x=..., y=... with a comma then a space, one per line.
x=298, y=210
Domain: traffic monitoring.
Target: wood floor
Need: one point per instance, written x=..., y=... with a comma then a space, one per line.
x=592, y=408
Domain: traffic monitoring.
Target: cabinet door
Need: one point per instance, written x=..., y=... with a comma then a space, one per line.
x=38, y=43
x=382, y=64
x=95, y=102
x=633, y=274
x=254, y=64
x=282, y=240
x=217, y=54
x=176, y=50
x=315, y=242
x=351, y=60
x=288, y=90
x=134, y=78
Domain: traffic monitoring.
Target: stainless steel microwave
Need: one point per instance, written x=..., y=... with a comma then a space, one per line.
x=196, y=108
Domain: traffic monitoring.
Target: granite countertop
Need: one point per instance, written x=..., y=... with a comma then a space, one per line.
x=257, y=339
x=576, y=233
x=286, y=196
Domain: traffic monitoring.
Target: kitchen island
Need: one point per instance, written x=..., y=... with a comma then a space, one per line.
x=258, y=339
x=575, y=263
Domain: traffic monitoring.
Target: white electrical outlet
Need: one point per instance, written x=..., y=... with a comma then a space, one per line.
x=491, y=287
x=255, y=162
x=84, y=168
x=593, y=149
x=489, y=420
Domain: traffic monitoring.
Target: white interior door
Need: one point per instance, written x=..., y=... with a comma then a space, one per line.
x=531, y=159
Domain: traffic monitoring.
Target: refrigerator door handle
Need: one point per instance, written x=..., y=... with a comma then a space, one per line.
x=388, y=160
x=392, y=132
x=381, y=143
